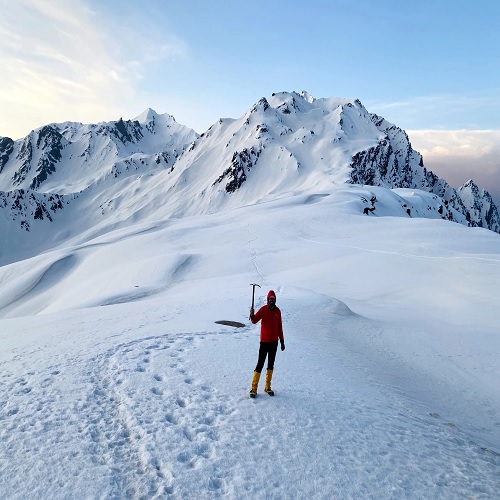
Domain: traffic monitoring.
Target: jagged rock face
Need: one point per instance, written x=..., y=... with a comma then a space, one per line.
x=47, y=144
x=235, y=174
x=28, y=206
x=6, y=148
x=51, y=143
x=481, y=209
x=392, y=163
x=127, y=132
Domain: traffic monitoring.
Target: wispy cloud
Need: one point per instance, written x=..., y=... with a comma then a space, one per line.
x=467, y=143
x=63, y=61
x=460, y=155
x=449, y=131
x=443, y=111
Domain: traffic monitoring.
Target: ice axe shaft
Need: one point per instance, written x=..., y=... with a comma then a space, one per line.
x=253, y=285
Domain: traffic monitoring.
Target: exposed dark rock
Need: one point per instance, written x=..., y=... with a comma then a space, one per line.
x=236, y=173
x=24, y=156
x=50, y=142
x=28, y=206
x=6, y=148
x=392, y=163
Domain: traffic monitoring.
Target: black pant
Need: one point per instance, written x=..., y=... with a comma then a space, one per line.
x=266, y=348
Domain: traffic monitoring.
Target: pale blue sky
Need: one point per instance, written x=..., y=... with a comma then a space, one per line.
x=408, y=59
x=424, y=65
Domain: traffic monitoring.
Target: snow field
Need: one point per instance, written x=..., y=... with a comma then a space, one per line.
x=168, y=415
x=117, y=383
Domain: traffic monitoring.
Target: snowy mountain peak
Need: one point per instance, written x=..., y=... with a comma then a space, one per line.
x=285, y=145
x=147, y=116
x=290, y=102
x=308, y=97
x=150, y=116
x=481, y=209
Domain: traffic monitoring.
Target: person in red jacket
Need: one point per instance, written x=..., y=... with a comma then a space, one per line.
x=271, y=330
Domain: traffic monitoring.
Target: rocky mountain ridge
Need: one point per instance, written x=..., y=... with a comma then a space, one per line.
x=69, y=157
x=153, y=166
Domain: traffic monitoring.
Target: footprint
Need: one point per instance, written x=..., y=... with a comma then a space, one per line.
x=189, y=435
x=171, y=418
x=158, y=378
x=216, y=483
x=158, y=467
x=186, y=458
x=182, y=402
x=204, y=451
x=183, y=457
x=157, y=391
x=207, y=420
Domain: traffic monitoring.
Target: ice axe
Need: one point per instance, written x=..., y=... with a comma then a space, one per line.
x=253, y=285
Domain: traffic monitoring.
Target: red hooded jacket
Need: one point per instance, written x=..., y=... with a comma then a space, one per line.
x=271, y=328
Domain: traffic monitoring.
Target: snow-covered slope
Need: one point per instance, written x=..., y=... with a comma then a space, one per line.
x=66, y=183
x=58, y=181
x=117, y=382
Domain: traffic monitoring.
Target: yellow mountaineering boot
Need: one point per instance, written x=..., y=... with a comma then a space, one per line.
x=267, y=388
x=255, y=383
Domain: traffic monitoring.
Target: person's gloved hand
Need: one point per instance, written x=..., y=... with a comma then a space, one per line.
x=282, y=345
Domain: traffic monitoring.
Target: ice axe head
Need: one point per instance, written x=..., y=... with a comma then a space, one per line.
x=253, y=285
